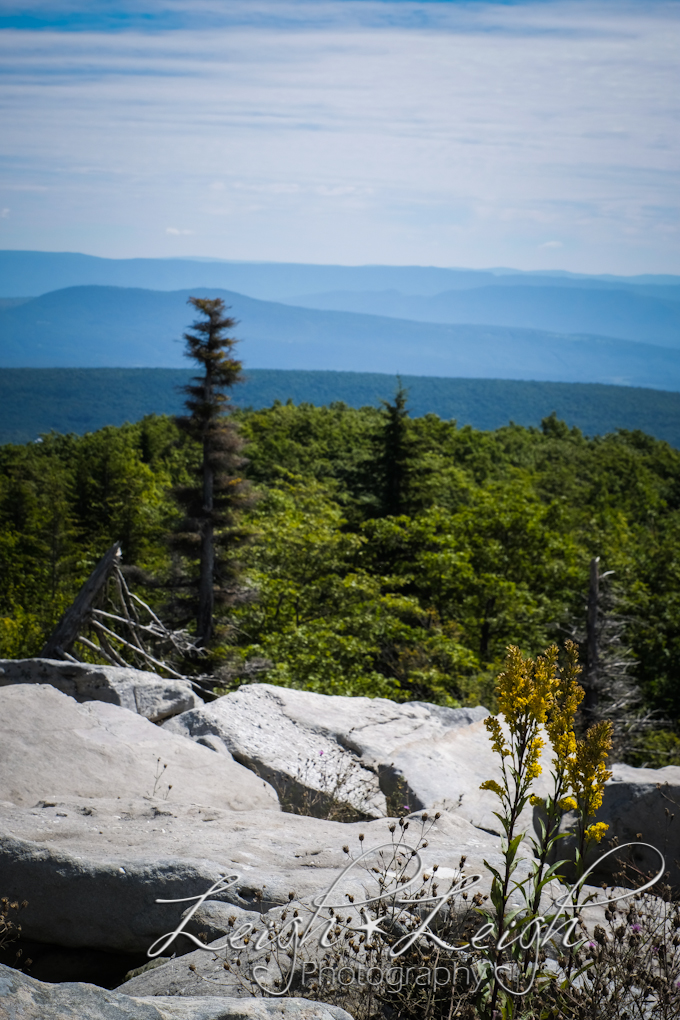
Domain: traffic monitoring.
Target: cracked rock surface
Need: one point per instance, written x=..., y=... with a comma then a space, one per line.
x=366, y=752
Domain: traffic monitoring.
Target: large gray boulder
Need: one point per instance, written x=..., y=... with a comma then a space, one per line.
x=643, y=806
x=291, y=739
x=93, y=869
x=374, y=755
x=53, y=748
x=23, y=998
x=148, y=695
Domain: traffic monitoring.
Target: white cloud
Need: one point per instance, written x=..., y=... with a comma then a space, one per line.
x=551, y=244
x=4, y=213
x=177, y=233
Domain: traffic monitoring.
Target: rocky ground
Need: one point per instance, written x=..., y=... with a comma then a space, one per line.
x=119, y=789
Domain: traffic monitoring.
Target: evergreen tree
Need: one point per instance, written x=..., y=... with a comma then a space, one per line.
x=395, y=453
x=210, y=532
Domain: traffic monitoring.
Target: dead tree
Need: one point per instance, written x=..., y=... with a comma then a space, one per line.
x=611, y=693
x=60, y=643
x=116, y=625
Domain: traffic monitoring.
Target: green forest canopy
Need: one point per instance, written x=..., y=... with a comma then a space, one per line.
x=491, y=547
x=38, y=400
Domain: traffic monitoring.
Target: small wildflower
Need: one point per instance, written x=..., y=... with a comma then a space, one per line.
x=586, y=769
x=595, y=832
x=491, y=784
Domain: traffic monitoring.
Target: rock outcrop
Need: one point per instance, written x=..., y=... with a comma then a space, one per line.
x=103, y=814
x=144, y=693
x=370, y=754
x=93, y=870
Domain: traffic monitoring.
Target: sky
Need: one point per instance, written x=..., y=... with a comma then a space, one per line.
x=531, y=135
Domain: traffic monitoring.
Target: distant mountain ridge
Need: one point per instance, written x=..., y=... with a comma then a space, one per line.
x=644, y=309
x=95, y=326
x=31, y=273
x=625, y=313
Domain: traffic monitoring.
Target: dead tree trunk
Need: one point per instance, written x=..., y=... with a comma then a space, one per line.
x=590, y=678
x=58, y=646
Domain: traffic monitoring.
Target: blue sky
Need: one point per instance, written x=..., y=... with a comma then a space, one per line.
x=535, y=135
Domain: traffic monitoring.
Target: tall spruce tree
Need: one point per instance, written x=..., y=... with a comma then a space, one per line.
x=395, y=453
x=210, y=532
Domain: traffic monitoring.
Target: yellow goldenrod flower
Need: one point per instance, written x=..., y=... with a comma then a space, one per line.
x=560, y=723
x=491, y=784
x=595, y=832
x=525, y=691
x=586, y=769
x=494, y=727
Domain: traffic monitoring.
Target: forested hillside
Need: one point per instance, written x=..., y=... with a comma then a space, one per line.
x=38, y=400
x=389, y=556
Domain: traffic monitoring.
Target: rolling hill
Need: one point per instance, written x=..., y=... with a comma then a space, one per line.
x=627, y=313
x=124, y=327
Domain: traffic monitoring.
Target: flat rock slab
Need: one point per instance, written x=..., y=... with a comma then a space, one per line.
x=145, y=693
x=361, y=751
x=23, y=998
x=52, y=748
x=92, y=870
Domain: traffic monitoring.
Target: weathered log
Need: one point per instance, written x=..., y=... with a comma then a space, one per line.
x=59, y=644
